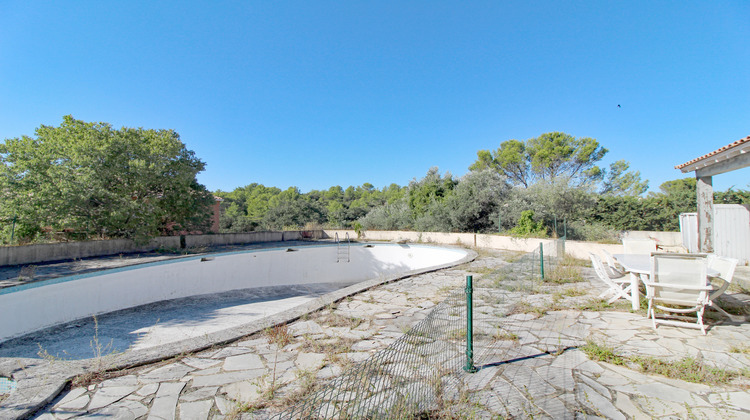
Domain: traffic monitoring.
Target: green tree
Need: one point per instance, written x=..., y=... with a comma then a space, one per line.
x=292, y=209
x=680, y=195
x=732, y=196
x=429, y=189
x=619, y=181
x=91, y=178
x=546, y=157
x=474, y=204
x=244, y=208
x=390, y=216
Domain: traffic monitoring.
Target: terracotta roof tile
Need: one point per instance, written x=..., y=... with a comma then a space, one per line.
x=717, y=151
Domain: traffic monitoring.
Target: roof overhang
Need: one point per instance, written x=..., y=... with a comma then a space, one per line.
x=728, y=158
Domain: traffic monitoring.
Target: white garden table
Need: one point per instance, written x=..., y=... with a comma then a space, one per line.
x=639, y=265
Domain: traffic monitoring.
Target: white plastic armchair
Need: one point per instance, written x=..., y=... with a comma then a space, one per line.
x=678, y=284
x=615, y=286
x=612, y=265
x=725, y=267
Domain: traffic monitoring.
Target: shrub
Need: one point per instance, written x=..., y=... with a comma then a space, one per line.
x=526, y=225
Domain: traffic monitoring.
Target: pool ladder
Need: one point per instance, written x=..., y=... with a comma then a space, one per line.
x=342, y=251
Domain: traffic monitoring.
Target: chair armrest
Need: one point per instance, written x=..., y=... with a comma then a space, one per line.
x=720, y=291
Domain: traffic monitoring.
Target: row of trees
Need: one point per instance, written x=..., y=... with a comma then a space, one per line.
x=549, y=181
x=257, y=207
x=89, y=179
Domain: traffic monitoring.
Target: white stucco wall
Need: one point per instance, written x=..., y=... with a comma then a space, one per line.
x=578, y=249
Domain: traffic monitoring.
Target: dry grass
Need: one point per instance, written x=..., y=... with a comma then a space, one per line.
x=567, y=271
x=525, y=307
x=742, y=349
x=278, y=335
x=505, y=336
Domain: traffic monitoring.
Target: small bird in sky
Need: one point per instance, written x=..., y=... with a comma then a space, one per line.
x=618, y=105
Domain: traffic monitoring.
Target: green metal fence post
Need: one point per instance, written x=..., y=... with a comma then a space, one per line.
x=469, y=327
x=541, y=258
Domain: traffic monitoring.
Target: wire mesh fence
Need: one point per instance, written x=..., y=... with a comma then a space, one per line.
x=400, y=380
x=421, y=372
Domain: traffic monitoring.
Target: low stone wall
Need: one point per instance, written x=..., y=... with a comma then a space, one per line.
x=29, y=254
x=576, y=249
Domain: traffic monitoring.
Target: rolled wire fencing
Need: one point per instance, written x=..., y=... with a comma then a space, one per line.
x=424, y=370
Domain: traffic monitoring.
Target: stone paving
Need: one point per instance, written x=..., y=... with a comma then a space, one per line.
x=529, y=360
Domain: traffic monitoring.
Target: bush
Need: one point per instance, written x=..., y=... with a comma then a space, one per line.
x=396, y=216
x=580, y=230
x=526, y=226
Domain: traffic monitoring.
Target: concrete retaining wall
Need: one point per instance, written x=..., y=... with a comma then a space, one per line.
x=576, y=249
x=663, y=239
x=29, y=254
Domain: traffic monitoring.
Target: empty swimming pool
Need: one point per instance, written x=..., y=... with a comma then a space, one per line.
x=153, y=304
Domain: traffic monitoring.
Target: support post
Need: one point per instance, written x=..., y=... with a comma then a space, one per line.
x=705, y=192
x=469, y=327
x=541, y=259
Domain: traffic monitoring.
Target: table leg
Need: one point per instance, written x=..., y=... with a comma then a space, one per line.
x=635, y=292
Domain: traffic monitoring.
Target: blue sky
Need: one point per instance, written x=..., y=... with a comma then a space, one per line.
x=315, y=93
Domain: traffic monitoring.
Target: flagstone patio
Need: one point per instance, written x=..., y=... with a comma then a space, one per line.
x=534, y=367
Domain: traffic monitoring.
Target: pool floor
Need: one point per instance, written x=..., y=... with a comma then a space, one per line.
x=161, y=322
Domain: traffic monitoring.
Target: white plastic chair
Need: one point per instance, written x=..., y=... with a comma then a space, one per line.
x=725, y=266
x=639, y=246
x=678, y=284
x=614, y=272
x=614, y=285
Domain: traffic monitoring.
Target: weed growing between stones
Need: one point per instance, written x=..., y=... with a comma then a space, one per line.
x=512, y=256
x=742, y=349
x=567, y=271
x=687, y=369
x=458, y=334
x=573, y=292
x=280, y=337
x=482, y=271
x=525, y=307
x=338, y=320
x=596, y=305
x=330, y=346
x=602, y=353
x=501, y=335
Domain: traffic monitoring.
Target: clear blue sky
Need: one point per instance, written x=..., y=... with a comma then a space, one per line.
x=314, y=93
